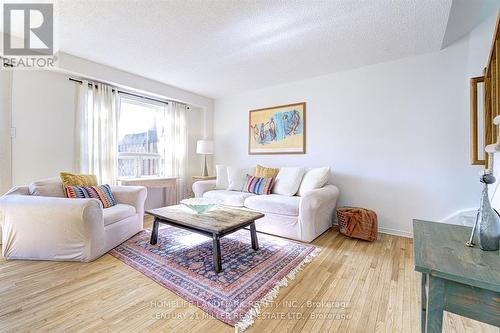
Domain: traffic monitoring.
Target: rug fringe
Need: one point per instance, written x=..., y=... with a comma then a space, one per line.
x=249, y=318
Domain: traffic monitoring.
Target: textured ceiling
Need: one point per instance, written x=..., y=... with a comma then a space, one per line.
x=221, y=47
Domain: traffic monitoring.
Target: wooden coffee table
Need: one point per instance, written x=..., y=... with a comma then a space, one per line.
x=216, y=223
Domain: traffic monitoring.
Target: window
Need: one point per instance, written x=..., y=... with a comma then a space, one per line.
x=139, y=146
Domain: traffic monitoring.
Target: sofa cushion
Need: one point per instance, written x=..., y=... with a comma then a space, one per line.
x=117, y=213
x=288, y=181
x=50, y=187
x=221, y=182
x=229, y=198
x=236, y=178
x=313, y=179
x=274, y=203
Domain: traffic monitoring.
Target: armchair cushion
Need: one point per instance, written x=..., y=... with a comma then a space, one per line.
x=18, y=190
x=50, y=187
x=131, y=195
x=117, y=213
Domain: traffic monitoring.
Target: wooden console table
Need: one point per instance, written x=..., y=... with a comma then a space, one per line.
x=198, y=178
x=154, y=182
x=455, y=278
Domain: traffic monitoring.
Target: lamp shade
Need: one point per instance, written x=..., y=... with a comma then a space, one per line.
x=204, y=147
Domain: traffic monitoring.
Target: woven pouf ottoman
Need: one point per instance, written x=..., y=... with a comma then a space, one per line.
x=358, y=222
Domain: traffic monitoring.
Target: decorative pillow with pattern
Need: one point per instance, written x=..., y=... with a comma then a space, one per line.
x=100, y=192
x=258, y=185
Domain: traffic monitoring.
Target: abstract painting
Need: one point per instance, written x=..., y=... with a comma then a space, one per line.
x=278, y=130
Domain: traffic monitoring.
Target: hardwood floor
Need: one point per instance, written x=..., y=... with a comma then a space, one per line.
x=352, y=286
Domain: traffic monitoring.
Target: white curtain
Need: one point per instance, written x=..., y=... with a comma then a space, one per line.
x=97, y=131
x=173, y=145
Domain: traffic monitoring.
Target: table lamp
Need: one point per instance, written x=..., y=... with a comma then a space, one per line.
x=205, y=147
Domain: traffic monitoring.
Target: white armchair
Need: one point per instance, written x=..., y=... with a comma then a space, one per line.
x=56, y=228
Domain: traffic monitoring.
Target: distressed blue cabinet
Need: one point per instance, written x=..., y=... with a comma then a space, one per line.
x=455, y=278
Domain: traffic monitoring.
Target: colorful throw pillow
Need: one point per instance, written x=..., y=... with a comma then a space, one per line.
x=264, y=172
x=72, y=179
x=258, y=185
x=101, y=192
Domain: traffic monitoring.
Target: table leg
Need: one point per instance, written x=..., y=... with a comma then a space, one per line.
x=423, y=301
x=165, y=193
x=154, y=232
x=175, y=192
x=435, y=305
x=253, y=235
x=216, y=253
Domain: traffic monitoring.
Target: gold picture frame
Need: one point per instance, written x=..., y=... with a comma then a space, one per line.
x=277, y=130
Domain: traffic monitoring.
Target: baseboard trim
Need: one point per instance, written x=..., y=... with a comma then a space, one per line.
x=396, y=232
x=388, y=231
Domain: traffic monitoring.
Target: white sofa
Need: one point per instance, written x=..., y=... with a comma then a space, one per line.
x=37, y=227
x=297, y=217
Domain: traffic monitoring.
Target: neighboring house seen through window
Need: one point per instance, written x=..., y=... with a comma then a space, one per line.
x=139, y=139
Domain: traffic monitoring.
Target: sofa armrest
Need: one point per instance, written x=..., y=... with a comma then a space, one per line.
x=203, y=186
x=315, y=198
x=49, y=228
x=131, y=195
x=317, y=210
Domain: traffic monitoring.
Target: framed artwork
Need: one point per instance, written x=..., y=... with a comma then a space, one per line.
x=278, y=130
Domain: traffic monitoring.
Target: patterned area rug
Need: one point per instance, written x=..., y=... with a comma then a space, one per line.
x=181, y=261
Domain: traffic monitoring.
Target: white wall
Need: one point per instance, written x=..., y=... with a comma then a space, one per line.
x=5, y=124
x=396, y=135
x=196, y=127
x=43, y=107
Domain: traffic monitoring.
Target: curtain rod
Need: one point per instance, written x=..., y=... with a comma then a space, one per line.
x=132, y=94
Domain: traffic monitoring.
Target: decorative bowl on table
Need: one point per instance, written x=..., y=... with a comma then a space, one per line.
x=199, y=205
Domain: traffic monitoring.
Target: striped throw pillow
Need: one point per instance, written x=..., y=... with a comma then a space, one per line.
x=258, y=185
x=101, y=192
